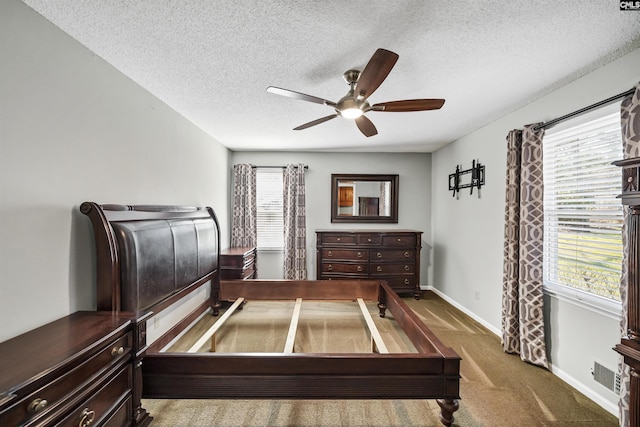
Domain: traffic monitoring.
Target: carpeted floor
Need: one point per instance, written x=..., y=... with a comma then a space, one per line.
x=497, y=389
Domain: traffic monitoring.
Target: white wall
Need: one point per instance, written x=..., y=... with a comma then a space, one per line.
x=72, y=128
x=414, y=204
x=468, y=232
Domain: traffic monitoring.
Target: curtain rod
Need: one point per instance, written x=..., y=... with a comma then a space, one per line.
x=276, y=167
x=584, y=110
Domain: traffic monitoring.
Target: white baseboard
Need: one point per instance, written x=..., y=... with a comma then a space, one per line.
x=463, y=309
x=581, y=387
x=600, y=400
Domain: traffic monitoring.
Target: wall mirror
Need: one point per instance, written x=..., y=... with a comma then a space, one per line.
x=364, y=198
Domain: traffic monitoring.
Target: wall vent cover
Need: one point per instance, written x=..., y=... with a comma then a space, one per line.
x=606, y=377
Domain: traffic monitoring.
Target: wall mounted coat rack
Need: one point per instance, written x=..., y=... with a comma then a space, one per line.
x=476, y=178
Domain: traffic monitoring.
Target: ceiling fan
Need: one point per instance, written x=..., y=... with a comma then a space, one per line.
x=354, y=104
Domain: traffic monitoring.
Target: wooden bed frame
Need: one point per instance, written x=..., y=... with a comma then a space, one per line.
x=133, y=276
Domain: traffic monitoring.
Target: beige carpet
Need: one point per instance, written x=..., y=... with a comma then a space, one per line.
x=497, y=389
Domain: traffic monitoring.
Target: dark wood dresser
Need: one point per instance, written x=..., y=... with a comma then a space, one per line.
x=75, y=371
x=239, y=263
x=629, y=346
x=392, y=255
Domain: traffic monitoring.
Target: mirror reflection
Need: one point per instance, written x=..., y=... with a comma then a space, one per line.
x=364, y=198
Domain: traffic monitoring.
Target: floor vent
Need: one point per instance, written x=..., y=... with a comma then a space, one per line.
x=606, y=377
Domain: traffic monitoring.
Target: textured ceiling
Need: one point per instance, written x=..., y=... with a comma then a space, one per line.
x=212, y=61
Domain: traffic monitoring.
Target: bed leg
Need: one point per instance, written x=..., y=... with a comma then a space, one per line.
x=215, y=307
x=382, y=308
x=448, y=407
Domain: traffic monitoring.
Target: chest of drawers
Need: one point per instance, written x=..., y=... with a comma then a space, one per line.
x=76, y=371
x=391, y=255
x=238, y=263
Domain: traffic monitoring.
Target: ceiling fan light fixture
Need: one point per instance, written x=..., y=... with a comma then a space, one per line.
x=351, y=113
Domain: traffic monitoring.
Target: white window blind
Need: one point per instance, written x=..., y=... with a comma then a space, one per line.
x=270, y=222
x=582, y=216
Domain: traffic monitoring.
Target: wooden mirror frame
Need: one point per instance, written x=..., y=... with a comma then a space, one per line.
x=337, y=178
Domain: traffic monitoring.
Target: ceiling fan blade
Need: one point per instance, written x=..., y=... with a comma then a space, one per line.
x=366, y=126
x=409, y=105
x=316, y=122
x=374, y=73
x=300, y=96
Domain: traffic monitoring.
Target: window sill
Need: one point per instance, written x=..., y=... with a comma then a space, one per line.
x=594, y=303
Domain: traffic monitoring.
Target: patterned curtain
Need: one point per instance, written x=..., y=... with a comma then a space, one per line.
x=522, y=297
x=243, y=223
x=295, y=229
x=630, y=122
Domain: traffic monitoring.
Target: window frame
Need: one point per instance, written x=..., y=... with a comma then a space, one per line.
x=274, y=175
x=599, y=304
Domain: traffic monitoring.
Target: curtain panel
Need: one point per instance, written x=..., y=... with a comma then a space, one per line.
x=630, y=126
x=295, y=228
x=244, y=222
x=522, y=294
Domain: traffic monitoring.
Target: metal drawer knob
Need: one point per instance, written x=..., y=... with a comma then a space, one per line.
x=359, y=268
x=406, y=254
x=368, y=240
x=359, y=254
x=86, y=417
x=379, y=255
x=329, y=267
x=379, y=268
x=330, y=254
x=406, y=268
x=37, y=405
x=399, y=239
x=117, y=351
x=406, y=281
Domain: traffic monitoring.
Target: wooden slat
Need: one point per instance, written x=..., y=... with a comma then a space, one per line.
x=293, y=327
x=214, y=328
x=375, y=335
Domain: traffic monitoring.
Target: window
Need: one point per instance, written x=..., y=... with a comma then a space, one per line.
x=270, y=222
x=582, y=216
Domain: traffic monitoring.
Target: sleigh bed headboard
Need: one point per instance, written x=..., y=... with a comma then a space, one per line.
x=150, y=256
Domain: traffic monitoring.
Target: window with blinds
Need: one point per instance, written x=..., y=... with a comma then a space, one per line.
x=269, y=216
x=582, y=216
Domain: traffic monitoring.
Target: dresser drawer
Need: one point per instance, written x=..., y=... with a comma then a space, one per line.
x=44, y=403
x=367, y=239
x=400, y=283
x=345, y=254
x=393, y=255
x=378, y=269
x=399, y=240
x=338, y=239
x=341, y=267
x=122, y=416
x=101, y=405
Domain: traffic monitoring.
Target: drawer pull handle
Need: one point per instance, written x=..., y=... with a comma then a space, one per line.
x=368, y=240
x=406, y=281
x=406, y=268
x=330, y=253
x=329, y=267
x=406, y=254
x=379, y=254
x=359, y=268
x=86, y=417
x=37, y=405
x=117, y=351
x=399, y=239
x=359, y=254
x=379, y=268
x=338, y=239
